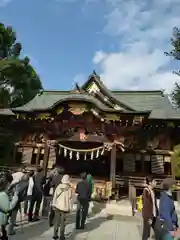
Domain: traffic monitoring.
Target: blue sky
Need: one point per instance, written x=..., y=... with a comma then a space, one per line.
x=124, y=41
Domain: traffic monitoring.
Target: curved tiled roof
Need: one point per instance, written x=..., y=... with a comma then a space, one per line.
x=49, y=99
x=154, y=102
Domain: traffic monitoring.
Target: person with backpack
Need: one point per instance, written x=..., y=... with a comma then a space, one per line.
x=21, y=189
x=62, y=203
x=167, y=212
x=6, y=205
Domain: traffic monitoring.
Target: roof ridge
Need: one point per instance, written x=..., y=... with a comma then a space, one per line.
x=149, y=92
x=54, y=91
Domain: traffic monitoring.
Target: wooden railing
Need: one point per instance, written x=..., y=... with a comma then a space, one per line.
x=136, y=181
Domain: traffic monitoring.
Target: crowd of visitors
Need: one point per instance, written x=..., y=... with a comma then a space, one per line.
x=30, y=187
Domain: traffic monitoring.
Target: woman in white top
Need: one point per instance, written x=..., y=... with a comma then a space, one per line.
x=62, y=200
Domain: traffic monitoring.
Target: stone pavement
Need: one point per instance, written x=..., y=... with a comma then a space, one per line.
x=101, y=227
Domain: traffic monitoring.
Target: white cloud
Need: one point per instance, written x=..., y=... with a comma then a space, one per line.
x=143, y=30
x=3, y=3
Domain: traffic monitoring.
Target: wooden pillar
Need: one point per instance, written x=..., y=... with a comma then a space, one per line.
x=113, y=166
x=14, y=153
x=37, y=156
x=46, y=158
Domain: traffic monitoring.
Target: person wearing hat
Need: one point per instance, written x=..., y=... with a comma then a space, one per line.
x=167, y=211
x=62, y=203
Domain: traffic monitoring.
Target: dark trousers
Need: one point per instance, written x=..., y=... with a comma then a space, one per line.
x=133, y=205
x=26, y=204
x=3, y=233
x=46, y=205
x=81, y=213
x=37, y=202
x=147, y=229
x=59, y=221
x=12, y=219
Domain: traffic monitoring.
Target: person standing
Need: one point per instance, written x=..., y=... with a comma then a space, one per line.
x=37, y=195
x=149, y=210
x=62, y=204
x=132, y=197
x=29, y=192
x=83, y=191
x=21, y=189
x=167, y=211
x=6, y=205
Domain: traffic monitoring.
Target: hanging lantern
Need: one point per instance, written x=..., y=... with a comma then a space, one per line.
x=92, y=155
x=65, y=152
x=102, y=152
x=82, y=135
x=70, y=154
x=77, y=156
x=97, y=153
x=85, y=156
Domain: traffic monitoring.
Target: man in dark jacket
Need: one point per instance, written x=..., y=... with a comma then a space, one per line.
x=37, y=194
x=83, y=191
x=167, y=211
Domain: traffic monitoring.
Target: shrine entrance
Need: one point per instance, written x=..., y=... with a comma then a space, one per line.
x=76, y=157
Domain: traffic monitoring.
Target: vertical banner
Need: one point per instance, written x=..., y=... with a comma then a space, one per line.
x=52, y=157
x=27, y=155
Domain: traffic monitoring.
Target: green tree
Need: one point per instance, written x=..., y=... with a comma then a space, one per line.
x=176, y=160
x=19, y=82
x=175, y=54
